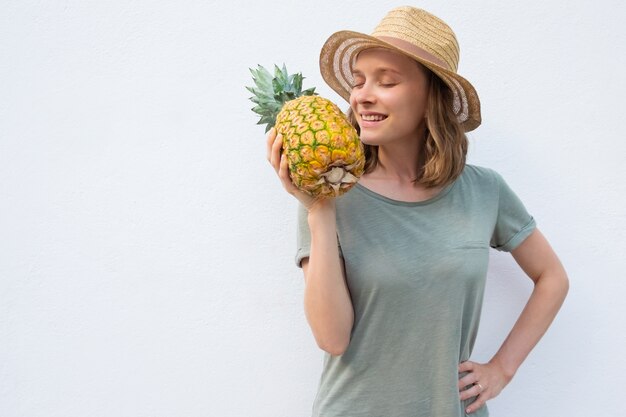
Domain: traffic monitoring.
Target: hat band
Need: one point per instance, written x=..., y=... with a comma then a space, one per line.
x=413, y=49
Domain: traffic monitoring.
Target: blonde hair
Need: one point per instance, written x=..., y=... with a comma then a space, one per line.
x=444, y=147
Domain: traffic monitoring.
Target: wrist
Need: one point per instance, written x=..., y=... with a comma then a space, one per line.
x=507, y=369
x=321, y=205
x=322, y=210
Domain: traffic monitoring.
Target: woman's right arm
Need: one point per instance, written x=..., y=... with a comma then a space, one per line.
x=327, y=302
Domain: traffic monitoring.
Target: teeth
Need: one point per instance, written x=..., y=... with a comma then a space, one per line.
x=372, y=117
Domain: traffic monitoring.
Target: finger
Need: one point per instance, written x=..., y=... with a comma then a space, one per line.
x=276, y=151
x=271, y=135
x=466, y=366
x=473, y=391
x=283, y=168
x=468, y=379
x=283, y=173
x=480, y=401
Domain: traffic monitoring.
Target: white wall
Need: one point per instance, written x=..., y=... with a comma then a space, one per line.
x=146, y=247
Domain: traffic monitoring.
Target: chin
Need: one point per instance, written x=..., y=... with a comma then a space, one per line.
x=368, y=139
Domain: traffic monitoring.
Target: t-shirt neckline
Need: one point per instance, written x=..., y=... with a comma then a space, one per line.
x=430, y=200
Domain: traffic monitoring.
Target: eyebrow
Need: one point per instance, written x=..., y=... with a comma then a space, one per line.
x=378, y=70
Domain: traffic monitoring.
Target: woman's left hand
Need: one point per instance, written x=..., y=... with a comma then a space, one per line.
x=484, y=381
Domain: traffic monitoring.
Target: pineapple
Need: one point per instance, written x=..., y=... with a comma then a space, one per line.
x=323, y=149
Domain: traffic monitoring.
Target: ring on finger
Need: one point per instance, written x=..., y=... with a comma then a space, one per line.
x=480, y=387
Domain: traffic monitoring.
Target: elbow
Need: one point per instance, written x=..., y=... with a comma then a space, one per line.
x=335, y=344
x=563, y=289
x=562, y=282
x=556, y=283
x=565, y=285
x=333, y=335
x=335, y=349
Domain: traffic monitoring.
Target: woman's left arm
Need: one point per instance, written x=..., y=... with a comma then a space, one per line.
x=536, y=257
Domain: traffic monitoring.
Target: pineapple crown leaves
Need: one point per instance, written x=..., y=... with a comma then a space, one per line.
x=272, y=92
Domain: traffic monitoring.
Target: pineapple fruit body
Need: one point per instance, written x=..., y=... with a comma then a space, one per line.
x=325, y=155
x=323, y=149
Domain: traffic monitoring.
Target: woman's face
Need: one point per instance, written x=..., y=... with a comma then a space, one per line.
x=389, y=96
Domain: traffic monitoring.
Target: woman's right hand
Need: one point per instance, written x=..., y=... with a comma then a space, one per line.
x=281, y=166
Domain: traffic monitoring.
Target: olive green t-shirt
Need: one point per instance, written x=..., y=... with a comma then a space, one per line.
x=416, y=274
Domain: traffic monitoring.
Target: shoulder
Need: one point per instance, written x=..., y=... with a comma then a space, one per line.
x=480, y=176
x=477, y=171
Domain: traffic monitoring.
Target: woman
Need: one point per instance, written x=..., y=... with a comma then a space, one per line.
x=395, y=269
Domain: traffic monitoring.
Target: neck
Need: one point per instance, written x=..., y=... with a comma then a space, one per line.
x=401, y=161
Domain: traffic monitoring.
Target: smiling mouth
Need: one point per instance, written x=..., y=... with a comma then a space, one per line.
x=373, y=117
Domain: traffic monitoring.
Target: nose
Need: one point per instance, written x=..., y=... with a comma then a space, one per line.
x=363, y=94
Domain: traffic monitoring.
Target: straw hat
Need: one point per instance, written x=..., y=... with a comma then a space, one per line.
x=416, y=34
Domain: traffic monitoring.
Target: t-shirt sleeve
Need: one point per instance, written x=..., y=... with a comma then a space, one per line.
x=513, y=224
x=304, y=237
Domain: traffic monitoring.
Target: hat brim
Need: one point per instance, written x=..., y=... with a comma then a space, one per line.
x=339, y=54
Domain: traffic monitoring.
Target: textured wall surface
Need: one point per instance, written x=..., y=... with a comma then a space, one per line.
x=146, y=246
